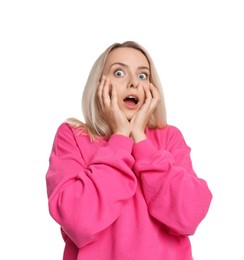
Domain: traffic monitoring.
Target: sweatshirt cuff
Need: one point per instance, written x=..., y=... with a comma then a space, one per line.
x=118, y=141
x=143, y=149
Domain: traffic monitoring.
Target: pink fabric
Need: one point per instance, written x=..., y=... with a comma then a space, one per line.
x=116, y=200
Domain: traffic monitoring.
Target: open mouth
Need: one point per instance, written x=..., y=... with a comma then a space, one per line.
x=131, y=100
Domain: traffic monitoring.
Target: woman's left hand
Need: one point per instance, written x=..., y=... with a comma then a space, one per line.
x=140, y=119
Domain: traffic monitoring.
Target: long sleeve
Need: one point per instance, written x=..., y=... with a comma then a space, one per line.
x=174, y=194
x=85, y=199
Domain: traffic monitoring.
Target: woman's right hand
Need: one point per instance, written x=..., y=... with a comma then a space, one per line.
x=110, y=110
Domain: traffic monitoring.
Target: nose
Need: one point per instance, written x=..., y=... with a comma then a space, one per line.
x=133, y=82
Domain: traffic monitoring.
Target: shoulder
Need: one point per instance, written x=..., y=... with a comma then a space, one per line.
x=167, y=132
x=67, y=139
x=66, y=133
x=68, y=128
x=64, y=126
x=64, y=129
x=171, y=129
x=78, y=135
x=166, y=137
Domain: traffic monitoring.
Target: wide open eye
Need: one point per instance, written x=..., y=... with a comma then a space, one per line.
x=119, y=73
x=142, y=76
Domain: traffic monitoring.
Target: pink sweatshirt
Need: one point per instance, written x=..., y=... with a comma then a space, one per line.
x=116, y=200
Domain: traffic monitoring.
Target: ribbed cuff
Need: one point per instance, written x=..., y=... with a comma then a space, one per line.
x=118, y=141
x=143, y=149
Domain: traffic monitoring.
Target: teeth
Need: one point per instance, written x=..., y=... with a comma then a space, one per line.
x=133, y=98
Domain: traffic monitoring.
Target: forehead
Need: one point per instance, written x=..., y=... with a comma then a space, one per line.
x=127, y=56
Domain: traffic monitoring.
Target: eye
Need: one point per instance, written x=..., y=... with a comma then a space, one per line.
x=119, y=73
x=143, y=76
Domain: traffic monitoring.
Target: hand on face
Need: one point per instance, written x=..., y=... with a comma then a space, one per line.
x=110, y=110
x=117, y=120
x=141, y=118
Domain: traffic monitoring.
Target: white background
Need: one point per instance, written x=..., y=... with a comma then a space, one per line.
x=46, y=51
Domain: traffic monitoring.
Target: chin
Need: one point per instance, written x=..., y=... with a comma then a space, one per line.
x=129, y=113
x=129, y=116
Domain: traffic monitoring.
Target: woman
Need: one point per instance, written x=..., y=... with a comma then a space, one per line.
x=121, y=185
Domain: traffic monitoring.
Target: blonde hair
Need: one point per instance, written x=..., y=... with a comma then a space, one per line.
x=94, y=124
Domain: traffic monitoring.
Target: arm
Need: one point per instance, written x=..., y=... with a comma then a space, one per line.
x=175, y=195
x=86, y=199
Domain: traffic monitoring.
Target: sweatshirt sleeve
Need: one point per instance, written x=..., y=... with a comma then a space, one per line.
x=86, y=199
x=174, y=194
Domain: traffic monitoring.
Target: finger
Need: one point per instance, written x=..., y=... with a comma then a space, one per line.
x=105, y=93
x=100, y=91
x=155, y=95
x=114, y=97
x=154, y=91
x=148, y=97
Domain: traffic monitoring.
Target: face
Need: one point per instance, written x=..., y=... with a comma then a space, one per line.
x=128, y=70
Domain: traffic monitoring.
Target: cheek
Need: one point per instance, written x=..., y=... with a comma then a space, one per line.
x=146, y=84
x=117, y=81
x=119, y=85
x=142, y=95
x=120, y=93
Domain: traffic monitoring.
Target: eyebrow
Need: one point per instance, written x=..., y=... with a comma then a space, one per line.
x=124, y=65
